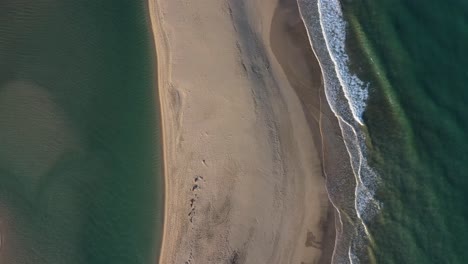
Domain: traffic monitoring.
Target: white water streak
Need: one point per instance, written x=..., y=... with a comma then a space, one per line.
x=341, y=83
x=356, y=92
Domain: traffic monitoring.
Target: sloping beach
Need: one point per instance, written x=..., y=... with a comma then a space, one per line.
x=242, y=144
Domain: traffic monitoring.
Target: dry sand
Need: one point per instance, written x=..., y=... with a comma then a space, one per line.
x=243, y=175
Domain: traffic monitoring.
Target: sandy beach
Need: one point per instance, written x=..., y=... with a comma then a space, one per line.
x=241, y=109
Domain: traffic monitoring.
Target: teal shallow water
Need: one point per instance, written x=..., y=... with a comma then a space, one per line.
x=79, y=156
x=413, y=53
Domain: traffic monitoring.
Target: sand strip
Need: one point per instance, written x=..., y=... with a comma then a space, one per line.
x=291, y=47
x=243, y=175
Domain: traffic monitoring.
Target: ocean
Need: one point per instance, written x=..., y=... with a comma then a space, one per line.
x=395, y=75
x=80, y=177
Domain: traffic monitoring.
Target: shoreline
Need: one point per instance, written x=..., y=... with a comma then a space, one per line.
x=305, y=76
x=173, y=138
x=344, y=192
x=160, y=62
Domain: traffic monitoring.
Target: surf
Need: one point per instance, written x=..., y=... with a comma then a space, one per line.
x=346, y=95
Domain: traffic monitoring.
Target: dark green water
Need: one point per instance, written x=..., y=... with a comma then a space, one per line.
x=79, y=150
x=417, y=118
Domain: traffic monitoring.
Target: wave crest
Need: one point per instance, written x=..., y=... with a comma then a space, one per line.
x=334, y=31
x=347, y=96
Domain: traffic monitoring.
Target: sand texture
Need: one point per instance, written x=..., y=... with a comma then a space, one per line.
x=242, y=150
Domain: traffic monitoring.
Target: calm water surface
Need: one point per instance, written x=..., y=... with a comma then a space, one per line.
x=414, y=55
x=79, y=145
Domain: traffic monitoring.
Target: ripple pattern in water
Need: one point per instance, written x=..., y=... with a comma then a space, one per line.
x=79, y=169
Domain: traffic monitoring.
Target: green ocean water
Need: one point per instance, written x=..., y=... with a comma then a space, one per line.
x=79, y=144
x=414, y=55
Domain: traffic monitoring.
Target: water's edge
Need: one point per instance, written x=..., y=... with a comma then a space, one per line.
x=346, y=95
x=160, y=165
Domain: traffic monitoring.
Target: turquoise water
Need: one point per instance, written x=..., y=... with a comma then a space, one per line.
x=79, y=155
x=413, y=54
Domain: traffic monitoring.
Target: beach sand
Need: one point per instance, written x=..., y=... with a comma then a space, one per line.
x=241, y=108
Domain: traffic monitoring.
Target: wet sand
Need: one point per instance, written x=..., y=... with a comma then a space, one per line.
x=240, y=93
x=291, y=47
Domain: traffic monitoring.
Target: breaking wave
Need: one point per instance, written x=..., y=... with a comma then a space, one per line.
x=334, y=31
x=347, y=96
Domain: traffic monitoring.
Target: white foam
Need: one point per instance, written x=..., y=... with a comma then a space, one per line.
x=339, y=81
x=334, y=28
x=356, y=93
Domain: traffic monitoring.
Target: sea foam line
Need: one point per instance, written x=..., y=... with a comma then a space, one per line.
x=356, y=93
x=339, y=80
x=334, y=29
